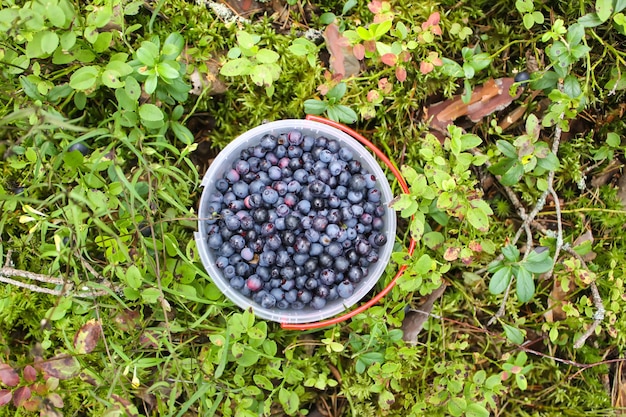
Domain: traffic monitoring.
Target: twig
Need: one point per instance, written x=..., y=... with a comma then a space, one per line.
x=6, y=272
x=598, y=316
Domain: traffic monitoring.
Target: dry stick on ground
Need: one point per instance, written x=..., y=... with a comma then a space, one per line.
x=527, y=219
x=7, y=271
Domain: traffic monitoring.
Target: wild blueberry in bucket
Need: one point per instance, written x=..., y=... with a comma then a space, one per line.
x=299, y=222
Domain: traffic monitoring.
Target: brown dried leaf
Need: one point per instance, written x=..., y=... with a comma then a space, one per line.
x=486, y=99
x=560, y=290
x=5, y=396
x=21, y=395
x=86, y=338
x=8, y=376
x=342, y=61
x=414, y=320
x=619, y=388
x=61, y=367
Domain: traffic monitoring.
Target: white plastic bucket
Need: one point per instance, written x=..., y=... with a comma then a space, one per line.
x=223, y=162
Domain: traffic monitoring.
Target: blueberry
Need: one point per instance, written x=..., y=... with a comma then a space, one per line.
x=268, y=142
x=345, y=154
x=345, y=289
x=355, y=274
x=268, y=301
x=318, y=302
x=327, y=276
x=311, y=284
x=522, y=77
x=270, y=196
x=237, y=282
x=254, y=283
x=247, y=254
x=80, y=147
x=215, y=241
x=291, y=295
x=237, y=242
x=295, y=137
x=305, y=296
x=229, y=271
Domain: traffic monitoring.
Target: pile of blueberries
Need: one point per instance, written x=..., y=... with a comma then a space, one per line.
x=296, y=221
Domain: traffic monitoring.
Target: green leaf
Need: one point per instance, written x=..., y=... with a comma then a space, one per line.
x=433, y=239
x=337, y=92
x=182, y=133
x=476, y=410
x=525, y=284
x=111, y=79
x=348, y=5
x=500, y=280
x=538, y=261
x=327, y=18
x=133, y=277
x=246, y=40
x=452, y=68
x=235, y=67
x=511, y=253
x=590, y=20
x=263, y=382
x=345, y=114
x=264, y=74
x=85, y=78
x=613, y=139
x=521, y=381
x=266, y=56
x=506, y=148
x=150, y=295
x=49, y=41
x=168, y=69
x=604, y=9
x=313, y=106
x=457, y=406
x=514, y=334
x=148, y=54
x=571, y=86
x=480, y=61
x=151, y=113
x=386, y=399
x=173, y=46
x=478, y=218
x=289, y=400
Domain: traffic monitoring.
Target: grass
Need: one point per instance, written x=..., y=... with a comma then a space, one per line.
x=131, y=324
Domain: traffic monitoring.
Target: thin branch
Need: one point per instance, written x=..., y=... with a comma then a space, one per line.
x=6, y=272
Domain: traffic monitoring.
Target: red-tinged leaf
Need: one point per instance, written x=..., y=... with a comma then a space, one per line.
x=376, y=6
x=433, y=19
x=32, y=405
x=358, y=51
x=21, y=395
x=451, y=254
x=401, y=74
x=475, y=246
x=341, y=61
x=8, y=376
x=426, y=67
x=56, y=400
x=39, y=388
x=373, y=95
x=29, y=373
x=370, y=46
x=5, y=396
x=389, y=59
x=61, y=367
x=86, y=338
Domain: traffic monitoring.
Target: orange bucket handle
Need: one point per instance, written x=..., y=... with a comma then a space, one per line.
x=412, y=244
